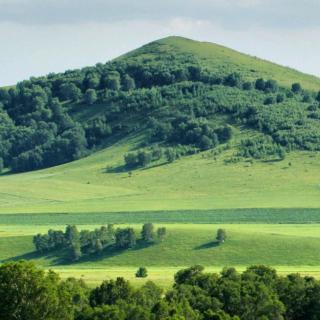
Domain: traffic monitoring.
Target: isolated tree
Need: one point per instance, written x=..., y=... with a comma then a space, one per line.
x=142, y=272
x=147, y=232
x=221, y=235
x=90, y=96
x=161, y=233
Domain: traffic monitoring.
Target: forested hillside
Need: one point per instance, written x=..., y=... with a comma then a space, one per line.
x=180, y=99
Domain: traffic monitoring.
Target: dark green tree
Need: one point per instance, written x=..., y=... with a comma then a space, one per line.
x=142, y=272
x=110, y=292
x=147, y=232
x=125, y=238
x=128, y=83
x=221, y=235
x=90, y=96
x=69, y=91
x=75, y=251
x=161, y=233
x=296, y=87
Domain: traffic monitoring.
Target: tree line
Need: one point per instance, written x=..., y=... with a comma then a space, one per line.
x=75, y=244
x=259, y=293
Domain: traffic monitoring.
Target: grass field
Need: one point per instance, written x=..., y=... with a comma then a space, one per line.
x=289, y=248
x=192, y=183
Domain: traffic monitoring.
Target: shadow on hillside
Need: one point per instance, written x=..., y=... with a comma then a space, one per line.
x=271, y=160
x=156, y=165
x=61, y=257
x=109, y=252
x=26, y=256
x=37, y=255
x=208, y=245
x=118, y=169
x=123, y=168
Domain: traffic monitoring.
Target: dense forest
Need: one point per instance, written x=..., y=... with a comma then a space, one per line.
x=171, y=98
x=257, y=294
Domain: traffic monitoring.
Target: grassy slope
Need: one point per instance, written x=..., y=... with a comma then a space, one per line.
x=196, y=182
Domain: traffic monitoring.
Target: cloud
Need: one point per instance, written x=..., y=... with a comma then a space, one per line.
x=229, y=13
x=40, y=36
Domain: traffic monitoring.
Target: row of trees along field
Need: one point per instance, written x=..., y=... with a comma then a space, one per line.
x=74, y=244
x=183, y=100
x=259, y=293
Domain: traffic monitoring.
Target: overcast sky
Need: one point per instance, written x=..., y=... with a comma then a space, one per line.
x=42, y=36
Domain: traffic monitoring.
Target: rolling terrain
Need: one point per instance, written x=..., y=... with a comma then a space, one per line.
x=269, y=205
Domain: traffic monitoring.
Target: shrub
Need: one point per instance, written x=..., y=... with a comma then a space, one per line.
x=142, y=272
x=221, y=235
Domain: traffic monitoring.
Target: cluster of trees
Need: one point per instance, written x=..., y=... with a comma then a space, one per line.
x=144, y=157
x=40, y=125
x=198, y=132
x=258, y=293
x=261, y=148
x=75, y=244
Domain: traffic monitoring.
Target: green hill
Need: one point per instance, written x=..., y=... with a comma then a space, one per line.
x=178, y=133
x=205, y=127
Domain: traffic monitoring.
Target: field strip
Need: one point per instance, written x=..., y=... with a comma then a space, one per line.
x=161, y=275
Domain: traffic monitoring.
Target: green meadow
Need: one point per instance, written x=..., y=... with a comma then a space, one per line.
x=288, y=247
x=269, y=209
x=198, y=182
